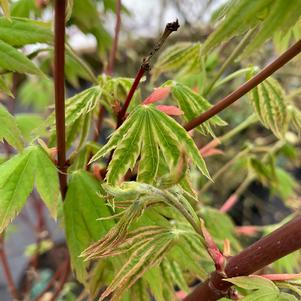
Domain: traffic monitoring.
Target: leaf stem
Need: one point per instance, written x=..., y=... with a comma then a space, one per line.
x=59, y=87
x=247, y=86
x=243, y=43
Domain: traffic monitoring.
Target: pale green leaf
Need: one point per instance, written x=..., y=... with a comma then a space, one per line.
x=47, y=181
x=254, y=283
x=27, y=123
x=20, y=32
x=268, y=100
x=13, y=60
x=149, y=162
x=82, y=207
x=16, y=183
x=9, y=129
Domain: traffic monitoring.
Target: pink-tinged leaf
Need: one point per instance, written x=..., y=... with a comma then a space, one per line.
x=212, y=144
x=211, y=152
x=281, y=277
x=247, y=230
x=170, y=110
x=157, y=95
x=230, y=202
x=181, y=295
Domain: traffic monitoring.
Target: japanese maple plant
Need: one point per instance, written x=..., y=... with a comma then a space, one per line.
x=135, y=210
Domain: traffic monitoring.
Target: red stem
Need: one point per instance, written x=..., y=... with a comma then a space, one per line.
x=268, y=249
x=59, y=87
x=6, y=270
x=247, y=86
x=134, y=87
x=116, y=37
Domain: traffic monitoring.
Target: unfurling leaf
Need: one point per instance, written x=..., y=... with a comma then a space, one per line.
x=147, y=130
x=157, y=95
x=269, y=102
x=170, y=110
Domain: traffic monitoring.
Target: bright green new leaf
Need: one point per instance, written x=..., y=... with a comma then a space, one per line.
x=16, y=183
x=27, y=123
x=47, y=182
x=20, y=32
x=82, y=207
x=17, y=178
x=9, y=129
x=267, y=15
x=148, y=127
x=24, y=8
x=193, y=104
x=269, y=102
x=12, y=59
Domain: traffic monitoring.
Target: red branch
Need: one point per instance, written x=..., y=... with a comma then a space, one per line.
x=6, y=271
x=59, y=87
x=247, y=86
x=268, y=249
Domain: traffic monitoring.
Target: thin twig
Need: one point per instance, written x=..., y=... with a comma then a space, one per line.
x=7, y=272
x=112, y=57
x=59, y=84
x=145, y=66
x=247, y=86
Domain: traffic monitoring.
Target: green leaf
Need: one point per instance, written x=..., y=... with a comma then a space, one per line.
x=37, y=93
x=267, y=15
x=4, y=87
x=193, y=104
x=148, y=126
x=82, y=207
x=20, y=32
x=295, y=118
x=47, y=181
x=9, y=129
x=142, y=259
x=13, y=60
x=27, y=123
x=24, y=8
x=16, y=183
x=268, y=100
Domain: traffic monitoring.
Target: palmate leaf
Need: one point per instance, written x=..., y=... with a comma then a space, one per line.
x=9, y=129
x=269, y=102
x=182, y=57
x=19, y=32
x=193, y=104
x=149, y=127
x=17, y=178
x=240, y=15
x=13, y=60
x=82, y=208
x=265, y=289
